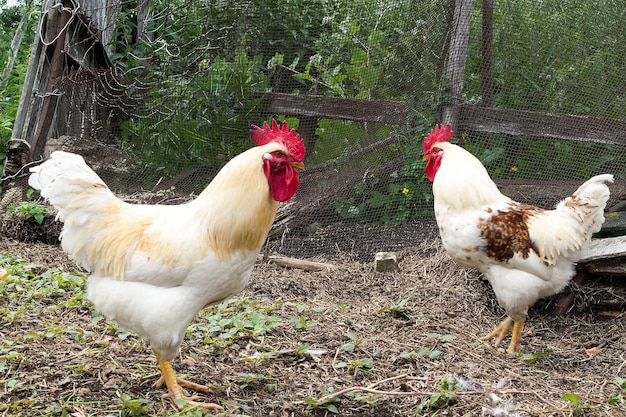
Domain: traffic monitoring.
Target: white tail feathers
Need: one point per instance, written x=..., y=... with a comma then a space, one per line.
x=589, y=201
x=62, y=178
x=567, y=229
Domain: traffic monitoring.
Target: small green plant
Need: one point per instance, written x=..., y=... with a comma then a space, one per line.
x=27, y=210
x=443, y=341
x=301, y=322
x=356, y=365
x=446, y=394
x=304, y=352
x=578, y=408
x=237, y=319
x=246, y=379
x=423, y=352
x=355, y=340
x=399, y=310
x=132, y=407
x=23, y=280
x=619, y=398
x=532, y=357
x=327, y=402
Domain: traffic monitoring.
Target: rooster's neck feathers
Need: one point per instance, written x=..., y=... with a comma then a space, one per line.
x=235, y=216
x=462, y=182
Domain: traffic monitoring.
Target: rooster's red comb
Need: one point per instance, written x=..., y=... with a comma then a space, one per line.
x=438, y=134
x=291, y=139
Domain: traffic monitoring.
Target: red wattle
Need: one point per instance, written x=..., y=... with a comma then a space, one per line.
x=284, y=180
x=431, y=167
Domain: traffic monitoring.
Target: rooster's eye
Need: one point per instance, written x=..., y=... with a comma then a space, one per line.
x=279, y=154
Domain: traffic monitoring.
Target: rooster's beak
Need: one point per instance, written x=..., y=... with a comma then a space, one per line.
x=297, y=165
x=425, y=158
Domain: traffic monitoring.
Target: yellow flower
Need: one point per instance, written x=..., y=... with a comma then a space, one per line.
x=514, y=169
x=405, y=190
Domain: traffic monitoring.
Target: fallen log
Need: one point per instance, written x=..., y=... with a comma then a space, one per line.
x=301, y=264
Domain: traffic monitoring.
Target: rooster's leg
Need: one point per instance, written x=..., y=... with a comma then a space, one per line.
x=501, y=331
x=516, y=336
x=175, y=386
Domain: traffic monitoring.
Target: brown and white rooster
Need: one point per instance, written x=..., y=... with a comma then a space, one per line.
x=526, y=253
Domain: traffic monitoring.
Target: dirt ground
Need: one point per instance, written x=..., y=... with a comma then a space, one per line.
x=348, y=341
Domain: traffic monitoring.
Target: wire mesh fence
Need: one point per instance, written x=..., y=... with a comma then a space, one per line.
x=535, y=89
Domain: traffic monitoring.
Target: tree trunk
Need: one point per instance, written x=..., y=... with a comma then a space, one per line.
x=15, y=44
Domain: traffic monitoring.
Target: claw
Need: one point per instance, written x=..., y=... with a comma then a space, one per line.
x=502, y=331
x=175, y=387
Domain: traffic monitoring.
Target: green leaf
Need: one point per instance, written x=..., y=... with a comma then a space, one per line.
x=348, y=347
x=572, y=398
x=434, y=354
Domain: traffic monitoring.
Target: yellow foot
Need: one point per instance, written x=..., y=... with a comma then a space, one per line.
x=175, y=390
x=181, y=394
x=508, y=326
x=516, y=336
x=183, y=383
x=500, y=332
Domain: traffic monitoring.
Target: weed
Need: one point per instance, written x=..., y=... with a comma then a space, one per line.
x=27, y=210
x=327, y=402
x=355, y=341
x=236, y=319
x=447, y=389
x=532, y=357
x=247, y=379
x=20, y=282
x=356, y=365
x=301, y=322
x=304, y=352
x=344, y=307
x=399, y=310
x=444, y=340
x=132, y=407
x=619, y=398
x=578, y=408
x=421, y=353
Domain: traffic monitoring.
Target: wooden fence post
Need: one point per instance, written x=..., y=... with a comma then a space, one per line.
x=459, y=40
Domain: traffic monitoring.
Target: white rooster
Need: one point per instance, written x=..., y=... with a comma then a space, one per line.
x=153, y=267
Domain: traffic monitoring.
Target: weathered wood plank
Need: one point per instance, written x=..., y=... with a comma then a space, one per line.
x=610, y=247
x=605, y=256
x=529, y=123
x=472, y=118
x=617, y=267
x=381, y=111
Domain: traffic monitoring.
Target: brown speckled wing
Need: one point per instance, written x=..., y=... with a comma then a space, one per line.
x=505, y=232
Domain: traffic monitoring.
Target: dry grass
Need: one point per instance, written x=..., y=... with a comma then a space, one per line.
x=365, y=343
